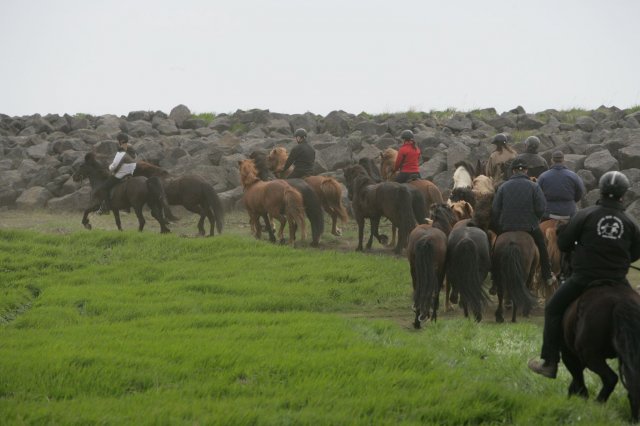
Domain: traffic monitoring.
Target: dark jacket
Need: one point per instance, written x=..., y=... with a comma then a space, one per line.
x=604, y=238
x=302, y=157
x=518, y=205
x=562, y=189
x=535, y=163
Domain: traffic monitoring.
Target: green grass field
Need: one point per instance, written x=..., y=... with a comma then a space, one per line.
x=104, y=327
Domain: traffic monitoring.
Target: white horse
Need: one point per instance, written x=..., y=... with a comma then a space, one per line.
x=462, y=178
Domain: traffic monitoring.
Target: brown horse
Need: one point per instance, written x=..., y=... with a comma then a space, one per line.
x=603, y=323
x=328, y=189
x=387, y=163
x=374, y=200
x=513, y=268
x=132, y=192
x=427, y=251
x=310, y=198
x=275, y=198
x=190, y=191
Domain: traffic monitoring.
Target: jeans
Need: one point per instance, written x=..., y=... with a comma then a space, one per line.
x=403, y=177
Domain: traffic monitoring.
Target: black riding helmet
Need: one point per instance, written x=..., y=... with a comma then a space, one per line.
x=499, y=139
x=613, y=185
x=518, y=164
x=406, y=135
x=300, y=133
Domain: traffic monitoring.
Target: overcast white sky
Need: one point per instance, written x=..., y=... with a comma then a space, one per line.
x=293, y=56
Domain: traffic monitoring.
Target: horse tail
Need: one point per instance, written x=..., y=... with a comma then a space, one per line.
x=463, y=274
x=406, y=215
x=626, y=340
x=154, y=185
x=313, y=210
x=426, y=277
x=215, y=205
x=332, y=192
x=514, y=277
x=294, y=209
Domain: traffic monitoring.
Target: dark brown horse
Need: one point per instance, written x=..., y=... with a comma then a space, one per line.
x=190, y=191
x=604, y=323
x=133, y=192
x=468, y=264
x=513, y=267
x=310, y=197
x=374, y=200
x=427, y=252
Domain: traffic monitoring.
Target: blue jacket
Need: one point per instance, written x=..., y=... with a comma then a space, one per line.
x=518, y=205
x=562, y=189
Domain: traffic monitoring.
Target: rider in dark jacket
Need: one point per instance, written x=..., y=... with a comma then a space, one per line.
x=518, y=206
x=302, y=157
x=536, y=164
x=605, y=241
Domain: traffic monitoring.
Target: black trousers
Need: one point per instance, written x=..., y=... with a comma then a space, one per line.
x=403, y=177
x=104, y=191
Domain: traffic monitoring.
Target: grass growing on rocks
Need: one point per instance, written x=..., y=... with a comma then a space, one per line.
x=142, y=328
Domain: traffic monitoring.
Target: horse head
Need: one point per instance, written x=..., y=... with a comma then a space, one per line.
x=277, y=159
x=90, y=168
x=443, y=218
x=261, y=161
x=248, y=172
x=461, y=209
x=387, y=163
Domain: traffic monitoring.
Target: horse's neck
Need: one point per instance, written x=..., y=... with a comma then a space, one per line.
x=250, y=181
x=97, y=177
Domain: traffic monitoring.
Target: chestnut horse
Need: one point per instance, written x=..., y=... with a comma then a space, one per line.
x=190, y=191
x=131, y=192
x=275, y=198
x=427, y=252
x=310, y=198
x=548, y=228
x=513, y=269
x=603, y=323
x=328, y=189
x=374, y=200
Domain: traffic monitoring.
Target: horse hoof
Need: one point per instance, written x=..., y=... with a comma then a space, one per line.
x=87, y=226
x=499, y=320
x=384, y=239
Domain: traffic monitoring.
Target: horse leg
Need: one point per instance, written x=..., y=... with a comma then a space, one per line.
x=577, y=386
x=141, y=220
x=116, y=216
x=394, y=232
x=267, y=222
x=499, y=311
x=85, y=216
x=607, y=375
x=283, y=222
x=360, y=221
x=375, y=224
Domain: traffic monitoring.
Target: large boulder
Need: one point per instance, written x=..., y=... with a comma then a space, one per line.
x=337, y=123
x=629, y=157
x=601, y=162
x=179, y=114
x=74, y=202
x=33, y=198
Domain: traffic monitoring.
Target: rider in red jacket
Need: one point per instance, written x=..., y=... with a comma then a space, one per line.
x=408, y=159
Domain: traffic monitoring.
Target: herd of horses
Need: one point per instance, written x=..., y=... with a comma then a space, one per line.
x=448, y=245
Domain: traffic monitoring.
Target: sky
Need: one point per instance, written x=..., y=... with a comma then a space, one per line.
x=294, y=56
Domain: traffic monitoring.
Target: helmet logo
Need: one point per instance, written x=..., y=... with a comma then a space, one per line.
x=610, y=227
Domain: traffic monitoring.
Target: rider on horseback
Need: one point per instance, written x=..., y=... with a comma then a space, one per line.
x=123, y=165
x=408, y=160
x=302, y=157
x=606, y=241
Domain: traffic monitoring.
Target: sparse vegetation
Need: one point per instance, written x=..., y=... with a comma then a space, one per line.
x=208, y=117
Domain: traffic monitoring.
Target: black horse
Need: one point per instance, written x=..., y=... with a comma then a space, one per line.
x=374, y=200
x=133, y=192
x=468, y=264
x=192, y=192
x=604, y=322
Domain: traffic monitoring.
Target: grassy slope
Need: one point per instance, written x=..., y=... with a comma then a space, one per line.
x=106, y=327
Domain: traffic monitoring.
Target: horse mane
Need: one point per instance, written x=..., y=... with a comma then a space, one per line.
x=277, y=158
x=482, y=211
x=483, y=184
x=443, y=218
x=150, y=170
x=463, y=193
x=248, y=172
x=461, y=209
x=388, y=159
x=467, y=166
x=261, y=161
x=371, y=168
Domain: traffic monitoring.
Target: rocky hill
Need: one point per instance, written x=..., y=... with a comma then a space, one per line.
x=38, y=153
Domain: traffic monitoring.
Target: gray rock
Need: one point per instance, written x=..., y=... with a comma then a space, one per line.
x=33, y=198
x=337, y=123
x=39, y=151
x=141, y=128
x=590, y=198
x=459, y=122
x=434, y=166
x=600, y=162
x=165, y=126
x=629, y=157
x=179, y=114
x=74, y=202
x=336, y=157
x=457, y=152
x=589, y=180
x=586, y=123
